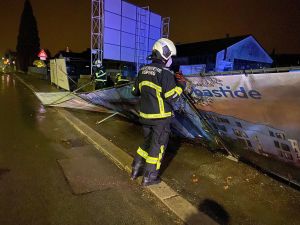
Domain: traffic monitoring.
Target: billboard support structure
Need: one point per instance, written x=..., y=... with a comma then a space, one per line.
x=97, y=30
x=142, y=33
x=165, y=28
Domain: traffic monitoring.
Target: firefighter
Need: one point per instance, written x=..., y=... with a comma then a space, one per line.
x=120, y=79
x=158, y=89
x=100, y=77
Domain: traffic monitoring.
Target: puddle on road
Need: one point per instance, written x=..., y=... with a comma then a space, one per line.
x=73, y=143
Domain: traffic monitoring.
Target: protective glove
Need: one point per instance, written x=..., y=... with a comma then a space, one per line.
x=180, y=80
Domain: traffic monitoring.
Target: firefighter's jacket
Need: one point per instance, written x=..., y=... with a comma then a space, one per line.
x=158, y=90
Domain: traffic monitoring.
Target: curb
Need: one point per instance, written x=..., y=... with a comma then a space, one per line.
x=170, y=198
x=180, y=206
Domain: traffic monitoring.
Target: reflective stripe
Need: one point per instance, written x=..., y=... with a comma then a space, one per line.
x=162, y=113
x=150, y=84
x=152, y=160
x=100, y=74
x=177, y=90
x=162, y=149
x=133, y=88
x=119, y=80
x=155, y=116
x=160, y=103
x=142, y=153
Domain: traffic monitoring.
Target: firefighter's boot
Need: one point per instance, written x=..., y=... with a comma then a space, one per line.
x=137, y=168
x=150, y=178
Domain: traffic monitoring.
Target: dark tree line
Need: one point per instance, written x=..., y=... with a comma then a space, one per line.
x=28, y=44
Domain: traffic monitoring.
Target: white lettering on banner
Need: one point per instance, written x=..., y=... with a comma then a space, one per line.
x=260, y=111
x=226, y=92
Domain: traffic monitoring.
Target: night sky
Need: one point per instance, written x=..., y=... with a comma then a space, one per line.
x=61, y=23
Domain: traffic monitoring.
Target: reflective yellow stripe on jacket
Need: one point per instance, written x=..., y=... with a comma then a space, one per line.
x=177, y=90
x=158, y=89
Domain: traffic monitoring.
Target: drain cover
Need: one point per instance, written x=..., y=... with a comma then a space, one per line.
x=88, y=174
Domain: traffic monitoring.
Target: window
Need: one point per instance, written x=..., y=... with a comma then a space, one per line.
x=222, y=127
x=280, y=136
x=240, y=133
x=276, y=143
x=239, y=124
x=285, y=147
x=271, y=133
x=288, y=156
x=237, y=132
x=223, y=120
x=214, y=126
x=249, y=143
x=244, y=134
x=242, y=142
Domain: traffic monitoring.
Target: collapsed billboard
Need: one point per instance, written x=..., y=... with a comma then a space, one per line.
x=257, y=116
x=258, y=113
x=186, y=123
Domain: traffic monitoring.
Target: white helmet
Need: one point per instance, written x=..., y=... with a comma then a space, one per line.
x=165, y=48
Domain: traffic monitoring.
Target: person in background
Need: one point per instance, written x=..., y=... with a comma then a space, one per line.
x=100, y=77
x=120, y=79
x=158, y=90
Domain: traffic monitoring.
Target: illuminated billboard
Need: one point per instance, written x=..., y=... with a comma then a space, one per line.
x=129, y=31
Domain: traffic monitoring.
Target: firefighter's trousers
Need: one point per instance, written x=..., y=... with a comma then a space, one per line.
x=156, y=137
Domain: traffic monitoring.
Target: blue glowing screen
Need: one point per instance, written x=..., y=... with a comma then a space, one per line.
x=123, y=35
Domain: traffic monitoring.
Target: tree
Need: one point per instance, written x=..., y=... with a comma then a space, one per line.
x=28, y=39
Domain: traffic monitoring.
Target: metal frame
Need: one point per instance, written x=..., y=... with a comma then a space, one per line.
x=142, y=34
x=97, y=30
x=165, y=27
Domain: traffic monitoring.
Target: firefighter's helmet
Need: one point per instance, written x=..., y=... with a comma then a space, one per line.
x=165, y=48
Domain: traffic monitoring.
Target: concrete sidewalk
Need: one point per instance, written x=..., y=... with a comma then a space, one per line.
x=50, y=173
x=227, y=192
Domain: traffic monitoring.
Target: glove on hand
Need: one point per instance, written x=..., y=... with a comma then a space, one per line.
x=180, y=80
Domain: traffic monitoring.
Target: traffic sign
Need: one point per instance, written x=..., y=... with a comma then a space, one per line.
x=43, y=55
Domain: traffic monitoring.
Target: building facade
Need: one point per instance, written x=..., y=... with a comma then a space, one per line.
x=231, y=53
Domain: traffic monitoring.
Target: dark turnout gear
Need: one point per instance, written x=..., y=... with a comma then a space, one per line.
x=100, y=74
x=158, y=90
x=120, y=79
x=150, y=178
x=137, y=167
x=100, y=78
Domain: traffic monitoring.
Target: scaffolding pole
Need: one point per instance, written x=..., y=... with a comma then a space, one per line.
x=97, y=30
x=142, y=34
x=165, y=27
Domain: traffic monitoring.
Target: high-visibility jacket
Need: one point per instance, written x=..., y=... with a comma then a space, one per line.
x=120, y=80
x=157, y=87
x=100, y=75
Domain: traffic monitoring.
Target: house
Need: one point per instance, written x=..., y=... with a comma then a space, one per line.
x=230, y=53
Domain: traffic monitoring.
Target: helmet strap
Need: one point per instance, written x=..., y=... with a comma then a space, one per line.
x=169, y=62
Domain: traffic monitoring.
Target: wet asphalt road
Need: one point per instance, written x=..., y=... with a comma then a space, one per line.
x=34, y=141
x=229, y=192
